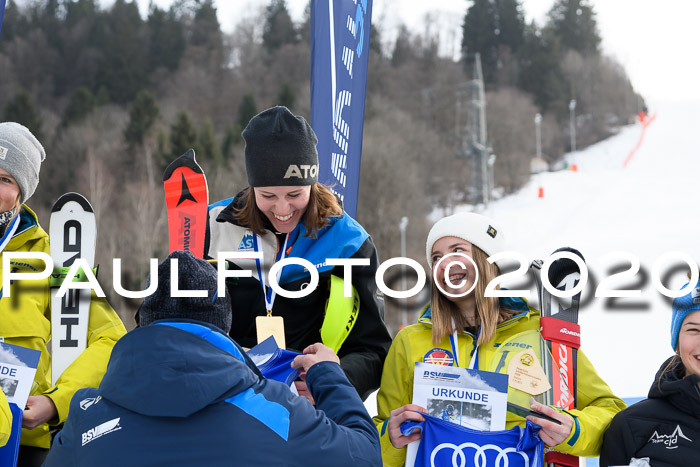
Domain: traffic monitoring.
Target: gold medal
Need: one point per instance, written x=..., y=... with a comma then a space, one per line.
x=269, y=325
x=526, y=374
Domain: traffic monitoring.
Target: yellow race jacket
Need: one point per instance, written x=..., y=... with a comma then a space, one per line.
x=25, y=320
x=597, y=404
x=5, y=420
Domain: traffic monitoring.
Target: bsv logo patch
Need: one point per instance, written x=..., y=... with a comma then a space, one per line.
x=101, y=430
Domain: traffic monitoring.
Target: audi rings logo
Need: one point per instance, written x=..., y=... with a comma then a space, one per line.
x=446, y=274
x=459, y=457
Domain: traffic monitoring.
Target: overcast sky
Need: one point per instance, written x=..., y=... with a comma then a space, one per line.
x=655, y=41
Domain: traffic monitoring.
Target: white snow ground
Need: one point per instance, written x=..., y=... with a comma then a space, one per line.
x=646, y=209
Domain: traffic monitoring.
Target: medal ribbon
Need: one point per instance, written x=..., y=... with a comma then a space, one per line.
x=268, y=292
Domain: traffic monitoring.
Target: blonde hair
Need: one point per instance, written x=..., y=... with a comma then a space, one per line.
x=322, y=205
x=488, y=311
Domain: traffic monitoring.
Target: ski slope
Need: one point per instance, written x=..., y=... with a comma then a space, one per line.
x=645, y=209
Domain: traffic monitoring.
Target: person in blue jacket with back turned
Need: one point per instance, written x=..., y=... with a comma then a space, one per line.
x=179, y=391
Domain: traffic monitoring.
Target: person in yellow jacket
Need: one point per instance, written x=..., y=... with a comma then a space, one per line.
x=484, y=333
x=5, y=419
x=25, y=315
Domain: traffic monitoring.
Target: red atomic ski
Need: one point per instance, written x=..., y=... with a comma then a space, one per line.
x=187, y=200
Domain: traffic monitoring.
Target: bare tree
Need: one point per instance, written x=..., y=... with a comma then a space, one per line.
x=510, y=119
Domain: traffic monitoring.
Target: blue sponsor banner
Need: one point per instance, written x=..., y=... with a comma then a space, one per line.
x=2, y=13
x=339, y=56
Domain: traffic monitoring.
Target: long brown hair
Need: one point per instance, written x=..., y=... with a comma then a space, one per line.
x=322, y=205
x=675, y=365
x=488, y=311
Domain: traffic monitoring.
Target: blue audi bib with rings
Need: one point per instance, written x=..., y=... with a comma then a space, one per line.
x=445, y=444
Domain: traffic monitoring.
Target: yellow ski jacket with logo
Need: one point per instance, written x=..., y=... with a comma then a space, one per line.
x=597, y=404
x=25, y=320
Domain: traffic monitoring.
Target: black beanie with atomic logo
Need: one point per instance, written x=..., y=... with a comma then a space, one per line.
x=280, y=149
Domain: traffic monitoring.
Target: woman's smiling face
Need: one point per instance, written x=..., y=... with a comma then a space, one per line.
x=284, y=206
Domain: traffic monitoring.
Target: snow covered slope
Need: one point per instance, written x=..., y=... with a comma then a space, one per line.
x=646, y=209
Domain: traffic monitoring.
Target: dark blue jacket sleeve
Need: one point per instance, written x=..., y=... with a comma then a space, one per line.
x=353, y=433
x=66, y=442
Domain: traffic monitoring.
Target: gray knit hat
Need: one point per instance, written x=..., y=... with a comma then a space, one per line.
x=21, y=154
x=280, y=149
x=193, y=274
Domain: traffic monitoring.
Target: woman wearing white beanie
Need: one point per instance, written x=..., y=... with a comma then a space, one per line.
x=25, y=316
x=463, y=327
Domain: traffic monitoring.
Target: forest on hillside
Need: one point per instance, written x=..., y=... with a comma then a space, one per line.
x=114, y=97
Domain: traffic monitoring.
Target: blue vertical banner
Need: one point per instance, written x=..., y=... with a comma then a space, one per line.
x=2, y=13
x=339, y=57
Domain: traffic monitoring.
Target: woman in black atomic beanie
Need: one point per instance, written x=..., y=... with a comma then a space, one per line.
x=286, y=213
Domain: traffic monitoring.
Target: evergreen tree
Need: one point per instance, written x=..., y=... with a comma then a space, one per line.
x=574, y=23
x=279, y=28
x=246, y=110
x=403, y=47
x=123, y=69
x=166, y=39
x=13, y=23
x=22, y=110
x=286, y=96
x=81, y=104
x=79, y=42
x=79, y=12
x=511, y=24
x=492, y=28
x=232, y=138
x=208, y=146
x=206, y=31
x=48, y=20
x=540, y=70
x=305, y=26
x=102, y=96
x=375, y=39
x=183, y=136
x=479, y=35
x=143, y=115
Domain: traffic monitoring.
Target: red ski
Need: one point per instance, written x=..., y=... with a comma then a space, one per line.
x=187, y=201
x=561, y=339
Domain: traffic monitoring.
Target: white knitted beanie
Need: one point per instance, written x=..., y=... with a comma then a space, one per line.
x=478, y=230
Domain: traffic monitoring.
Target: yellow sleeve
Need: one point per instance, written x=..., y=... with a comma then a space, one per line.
x=395, y=391
x=104, y=330
x=5, y=420
x=597, y=407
